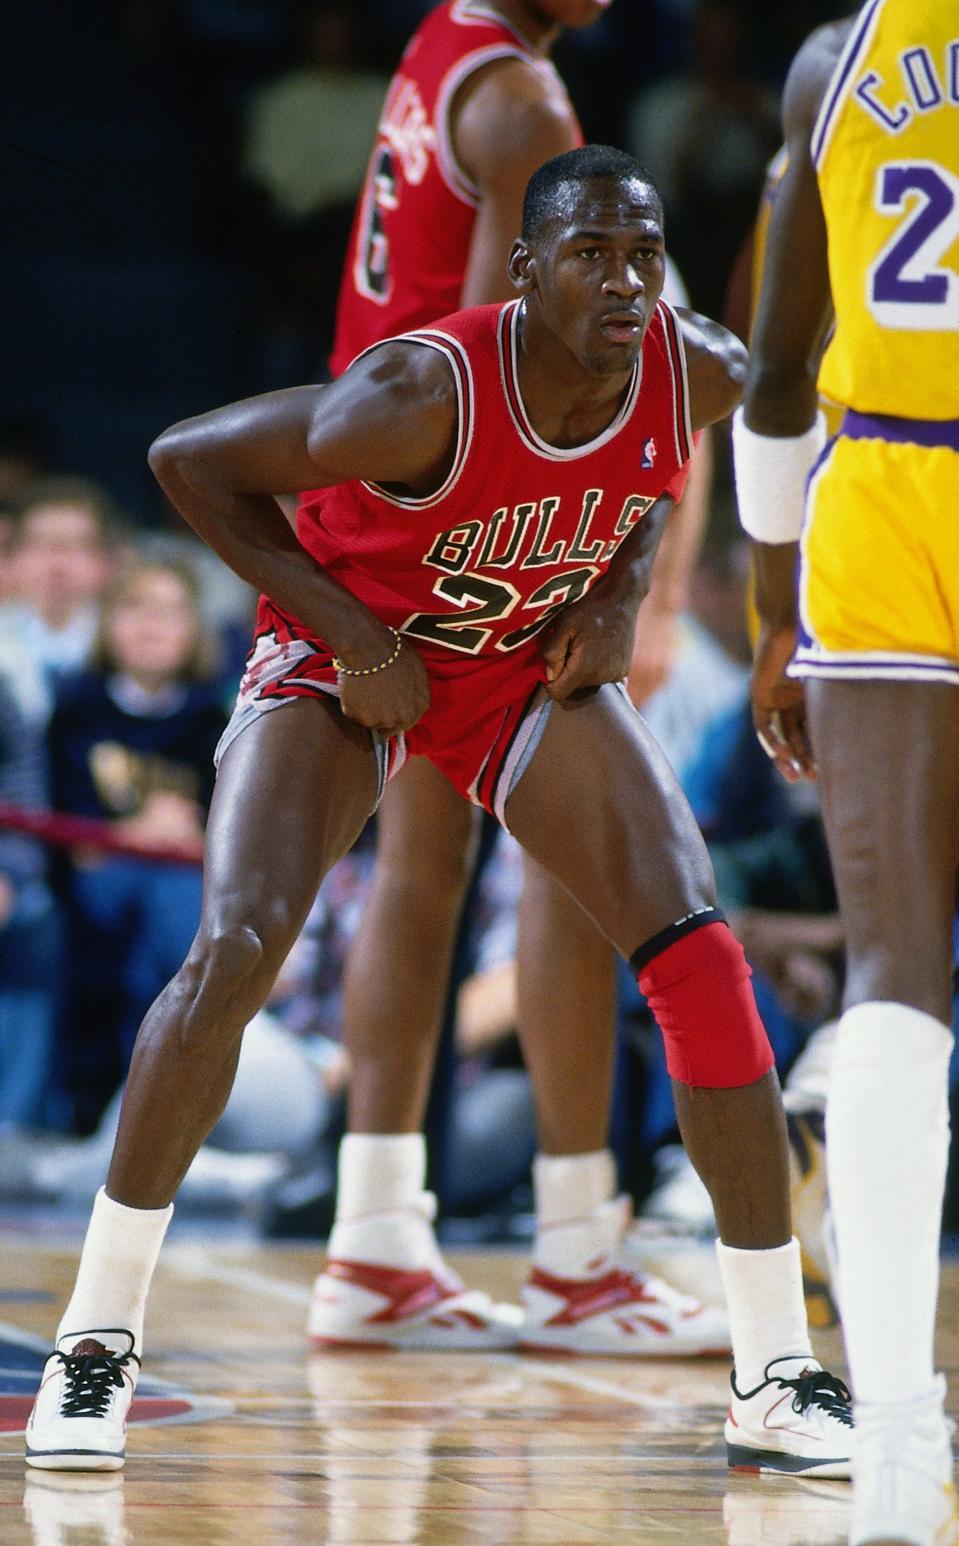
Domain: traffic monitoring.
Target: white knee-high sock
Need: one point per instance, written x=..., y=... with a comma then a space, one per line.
x=119, y=1254
x=887, y=1142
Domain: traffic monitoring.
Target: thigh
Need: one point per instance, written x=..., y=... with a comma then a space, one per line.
x=293, y=792
x=424, y=825
x=888, y=755
x=600, y=808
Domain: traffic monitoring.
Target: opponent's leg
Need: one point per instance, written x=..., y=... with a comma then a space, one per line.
x=265, y=855
x=600, y=808
x=383, y=1250
x=566, y=981
x=889, y=773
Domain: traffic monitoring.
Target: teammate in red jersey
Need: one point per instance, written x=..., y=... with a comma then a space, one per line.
x=474, y=475
x=473, y=110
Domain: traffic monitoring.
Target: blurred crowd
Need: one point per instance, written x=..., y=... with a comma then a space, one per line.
x=180, y=224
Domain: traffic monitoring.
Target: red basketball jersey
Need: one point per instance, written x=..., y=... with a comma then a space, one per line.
x=520, y=528
x=414, y=222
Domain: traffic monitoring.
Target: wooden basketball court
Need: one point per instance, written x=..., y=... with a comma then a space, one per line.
x=251, y=1439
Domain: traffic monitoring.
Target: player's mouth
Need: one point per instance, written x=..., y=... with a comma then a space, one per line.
x=622, y=327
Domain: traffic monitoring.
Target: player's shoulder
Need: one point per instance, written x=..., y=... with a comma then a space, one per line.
x=811, y=71
x=716, y=362
x=515, y=108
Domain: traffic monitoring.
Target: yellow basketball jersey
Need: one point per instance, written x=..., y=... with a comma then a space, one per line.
x=886, y=152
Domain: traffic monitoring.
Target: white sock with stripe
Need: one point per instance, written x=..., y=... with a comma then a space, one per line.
x=887, y=1145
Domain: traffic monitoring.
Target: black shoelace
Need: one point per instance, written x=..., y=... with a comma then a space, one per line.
x=90, y=1380
x=825, y=1390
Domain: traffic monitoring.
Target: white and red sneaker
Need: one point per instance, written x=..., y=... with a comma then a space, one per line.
x=79, y=1418
x=606, y=1305
x=619, y=1312
x=364, y=1304
x=386, y=1285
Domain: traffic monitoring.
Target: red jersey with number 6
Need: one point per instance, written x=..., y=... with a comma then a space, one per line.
x=519, y=528
x=417, y=201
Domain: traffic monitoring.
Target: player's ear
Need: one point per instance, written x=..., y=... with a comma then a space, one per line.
x=522, y=267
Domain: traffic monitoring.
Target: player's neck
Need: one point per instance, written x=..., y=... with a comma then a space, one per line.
x=539, y=31
x=568, y=404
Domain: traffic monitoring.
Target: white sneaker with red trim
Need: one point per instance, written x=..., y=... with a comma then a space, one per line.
x=363, y=1304
x=407, y=1295
x=610, y=1308
x=797, y=1421
x=79, y=1418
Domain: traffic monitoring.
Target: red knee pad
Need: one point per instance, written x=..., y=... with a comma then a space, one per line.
x=698, y=988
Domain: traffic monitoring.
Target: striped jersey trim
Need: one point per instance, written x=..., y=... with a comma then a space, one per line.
x=509, y=375
x=455, y=353
x=859, y=39
x=450, y=170
x=676, y=355
x=467, y=12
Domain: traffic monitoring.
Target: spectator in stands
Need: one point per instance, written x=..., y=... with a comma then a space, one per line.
x=29, y=931
x=62, y=552
x=308, y=136
x=131, y=741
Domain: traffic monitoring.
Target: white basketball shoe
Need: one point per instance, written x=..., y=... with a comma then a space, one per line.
x=399, y=1292
x=78, y=1422
x=903, y=1476
x=797, y=1421
x=606, y=1306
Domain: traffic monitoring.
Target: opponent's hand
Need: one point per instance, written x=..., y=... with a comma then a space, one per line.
x=590, y=642
x=779, y=706
x=391, y=700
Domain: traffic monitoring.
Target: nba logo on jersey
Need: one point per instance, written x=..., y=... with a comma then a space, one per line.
x=649, y=452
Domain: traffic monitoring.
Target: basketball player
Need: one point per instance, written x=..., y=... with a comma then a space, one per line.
x=473, y=110
x=468, y=484
x=865, y=669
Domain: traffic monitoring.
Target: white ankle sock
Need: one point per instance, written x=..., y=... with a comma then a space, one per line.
x=574, y=1224
x=119, y=1255
x=383, y=1214
x=767, y=1312
x=887, y=1144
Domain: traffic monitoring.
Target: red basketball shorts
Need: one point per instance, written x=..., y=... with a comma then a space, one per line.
x=484, y=722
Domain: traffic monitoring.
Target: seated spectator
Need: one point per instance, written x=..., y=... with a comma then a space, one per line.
x=30, y=938
x=61, y=554
x=308, y=138
x=132, y=741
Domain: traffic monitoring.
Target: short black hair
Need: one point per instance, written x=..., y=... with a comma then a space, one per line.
x=586, y=164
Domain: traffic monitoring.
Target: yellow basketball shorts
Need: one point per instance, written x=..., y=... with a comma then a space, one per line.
x=879, y=565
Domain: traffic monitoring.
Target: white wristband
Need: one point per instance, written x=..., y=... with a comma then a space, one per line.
x=771, y=473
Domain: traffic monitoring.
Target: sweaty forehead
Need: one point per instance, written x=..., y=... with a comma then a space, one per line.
x=603, y=204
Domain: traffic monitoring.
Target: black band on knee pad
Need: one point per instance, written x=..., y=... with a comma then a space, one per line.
x=672, y=932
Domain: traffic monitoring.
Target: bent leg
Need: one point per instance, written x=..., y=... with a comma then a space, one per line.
x=600, y=808
x=566, y=987
x=291, y=797
x=396, y=978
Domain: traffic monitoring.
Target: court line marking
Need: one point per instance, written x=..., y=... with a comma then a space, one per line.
x=188, y=1263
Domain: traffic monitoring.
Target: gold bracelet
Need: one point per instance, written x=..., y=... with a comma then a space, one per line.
x=371, y=670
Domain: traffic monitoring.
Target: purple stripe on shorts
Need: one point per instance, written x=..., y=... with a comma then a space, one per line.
x=931, y=433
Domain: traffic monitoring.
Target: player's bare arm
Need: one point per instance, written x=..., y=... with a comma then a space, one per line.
x=390, y=419
x=715, y=366
x=507, y=120
x=792, y=320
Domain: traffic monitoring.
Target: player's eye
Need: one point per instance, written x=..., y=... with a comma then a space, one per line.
x=589, y=253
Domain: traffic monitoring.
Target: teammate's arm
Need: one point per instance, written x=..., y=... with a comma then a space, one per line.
x=389, y=419
x=781, y=400
x=510, y=120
